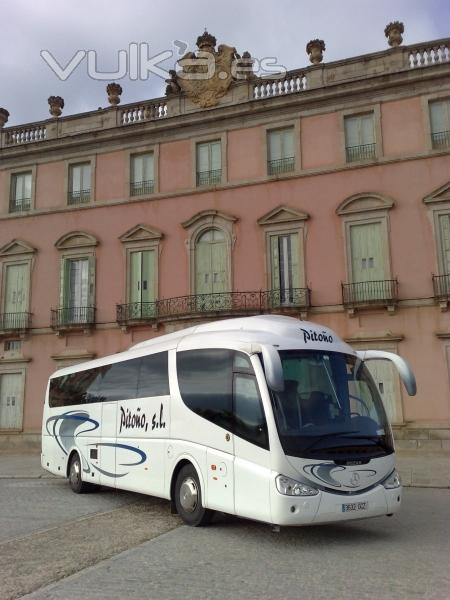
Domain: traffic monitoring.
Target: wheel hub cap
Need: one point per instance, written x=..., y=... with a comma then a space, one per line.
x=189, y=494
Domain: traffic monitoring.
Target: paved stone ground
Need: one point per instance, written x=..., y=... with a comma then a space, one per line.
x=402, y=558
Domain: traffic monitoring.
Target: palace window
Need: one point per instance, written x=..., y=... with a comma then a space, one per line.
x=142, y=174
x=280, y=151
x=440, y=123
x=360, y=141
x=20, y=192
x=79, y=183
x=209, y=163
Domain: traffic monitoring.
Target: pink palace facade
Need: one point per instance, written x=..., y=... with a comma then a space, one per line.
x=324, y=194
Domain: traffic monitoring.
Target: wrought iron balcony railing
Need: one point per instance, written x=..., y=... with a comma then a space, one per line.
x=78, y=196
x=382, y=292
x=357, y=153
x=138, y=188
x=19, y=204
x=209, y=177
x=281, y=165
x=441, y=286
x=73, y=317
x=441, y=140
x=223, y=302
x=19, y=321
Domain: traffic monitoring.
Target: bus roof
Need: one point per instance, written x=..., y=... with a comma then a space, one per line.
x=280, y=331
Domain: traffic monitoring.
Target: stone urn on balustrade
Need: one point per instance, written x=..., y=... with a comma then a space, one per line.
x=315, y=50
x=114, y=91
x=4, y=116
x=56, y=104
x=393, y=31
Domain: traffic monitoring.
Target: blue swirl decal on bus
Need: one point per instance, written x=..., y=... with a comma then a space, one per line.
x=66, y=427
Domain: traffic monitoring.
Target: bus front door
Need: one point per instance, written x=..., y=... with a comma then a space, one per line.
x=220, y=474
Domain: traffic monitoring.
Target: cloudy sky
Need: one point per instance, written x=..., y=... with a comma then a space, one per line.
x=266, y=28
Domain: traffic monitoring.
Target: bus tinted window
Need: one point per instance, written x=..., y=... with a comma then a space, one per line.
x=75, y=388
x=205, y=381
x=250, y=422
x=154, y=375
x=119, y=380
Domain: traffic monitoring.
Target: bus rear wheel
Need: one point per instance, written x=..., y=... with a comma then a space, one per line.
x=76, y=483
x=188, y=498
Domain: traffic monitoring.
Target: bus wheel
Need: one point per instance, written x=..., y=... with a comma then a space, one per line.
x=188, y=498
x=76, y=483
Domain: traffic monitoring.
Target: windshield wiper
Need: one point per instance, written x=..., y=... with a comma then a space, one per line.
x=326, y=435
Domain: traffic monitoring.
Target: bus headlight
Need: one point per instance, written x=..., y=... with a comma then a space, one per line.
x=393, y=481
x=290, y=487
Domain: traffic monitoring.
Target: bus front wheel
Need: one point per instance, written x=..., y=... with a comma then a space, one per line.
x=76, y=483
x=188, y=498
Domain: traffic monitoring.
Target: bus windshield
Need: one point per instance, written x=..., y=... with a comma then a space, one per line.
x=330, y=407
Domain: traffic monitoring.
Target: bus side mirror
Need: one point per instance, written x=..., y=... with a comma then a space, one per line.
x=273, y=368
x=403, y=368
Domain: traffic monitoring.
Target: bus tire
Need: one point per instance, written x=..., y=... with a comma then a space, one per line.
x=77, y=485
x=188, y=498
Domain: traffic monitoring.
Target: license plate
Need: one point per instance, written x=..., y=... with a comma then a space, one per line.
x=355, y=506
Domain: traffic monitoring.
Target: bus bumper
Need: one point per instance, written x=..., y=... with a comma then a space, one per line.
x=327, y=507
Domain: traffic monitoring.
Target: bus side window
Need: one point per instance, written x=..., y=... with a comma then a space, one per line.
x=154, y=375
x=249, y=420
x=205, y=380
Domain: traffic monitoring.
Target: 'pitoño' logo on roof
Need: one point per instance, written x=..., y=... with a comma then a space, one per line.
x=313, y=336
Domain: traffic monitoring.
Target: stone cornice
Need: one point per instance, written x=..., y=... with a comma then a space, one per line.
x=372, y=87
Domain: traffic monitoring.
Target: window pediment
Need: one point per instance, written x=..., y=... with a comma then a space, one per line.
x=362, y=203
x=282, y=214
x=76, y=239
x=210, y=217
x=16, y=247
x=442, y=194
x=141, y=233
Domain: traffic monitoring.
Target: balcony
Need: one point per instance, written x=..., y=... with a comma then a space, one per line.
x=79, y=196
x=209, y=177
x=18, y=322
x=19, y=205
x=290, y=301
x=441, y=287
x=139, y=188
x=370, y=293
x=281, y=165
x=76, y=317
x=440, y=140
x=360, y=153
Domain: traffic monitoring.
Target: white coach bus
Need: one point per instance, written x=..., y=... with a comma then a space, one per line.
x=265, y=417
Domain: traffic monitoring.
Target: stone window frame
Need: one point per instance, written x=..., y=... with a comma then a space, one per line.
x=210, y=137
x=283, y=220
x=8, y=189
x=137, y=239
x=388, y=345
x=77, y=245
x=196, y=226
x=365, y=209
x=68, y=164
x=364, y=109
x=274, y=126
x=425, y=101
x=16, y=252
x=438, y=204
x=8, y=368
x=136, y=151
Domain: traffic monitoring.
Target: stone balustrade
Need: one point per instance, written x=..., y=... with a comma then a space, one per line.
x=23, y=135
x=145, y=111
x=298, y=81
x=431, y=53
